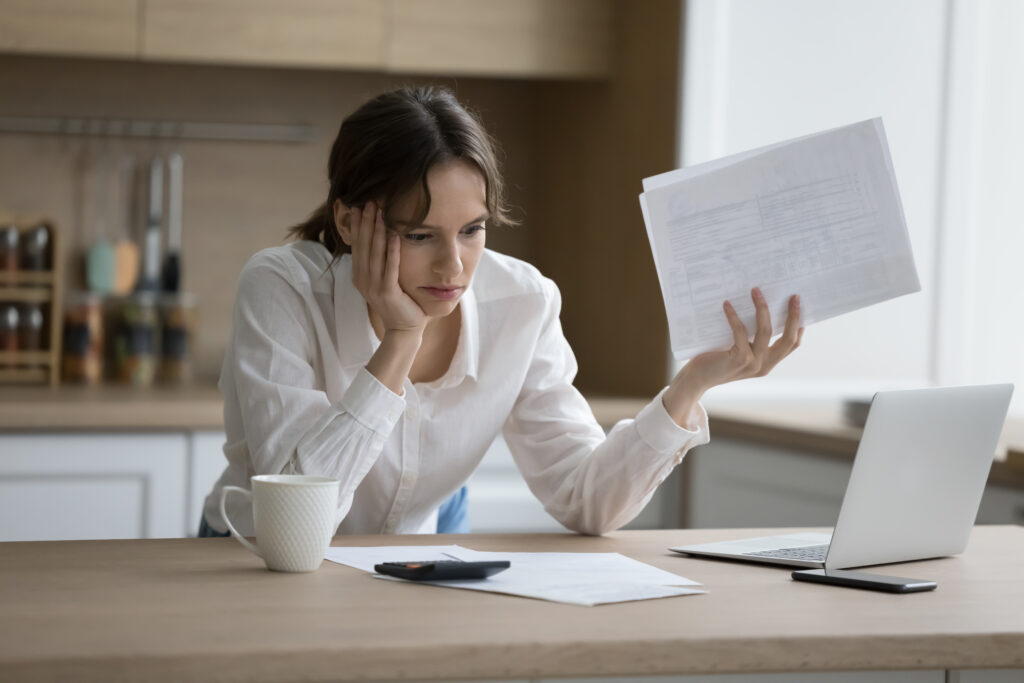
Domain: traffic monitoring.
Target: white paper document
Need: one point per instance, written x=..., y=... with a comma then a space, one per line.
x=819, y=216
x=574, y=578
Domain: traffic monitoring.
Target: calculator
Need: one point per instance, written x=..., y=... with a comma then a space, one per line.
x=442, y=570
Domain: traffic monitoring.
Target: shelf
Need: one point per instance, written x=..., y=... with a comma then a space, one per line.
x=27, y=277
x=24, y=375
x=34, y=295
x=15, y=358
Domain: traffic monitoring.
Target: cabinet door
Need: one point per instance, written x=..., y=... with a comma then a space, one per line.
x=91, y=486
x=1001, y=505
x=567, y=38
x=101, y=28
x=734, y=483
x=317, y=33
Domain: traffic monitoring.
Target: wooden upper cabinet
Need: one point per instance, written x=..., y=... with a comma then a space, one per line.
x=316, y=33
x=513, y=38
x=526, y=38
x=90, y=28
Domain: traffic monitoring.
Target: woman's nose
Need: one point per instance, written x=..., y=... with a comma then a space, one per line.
x=449, y=261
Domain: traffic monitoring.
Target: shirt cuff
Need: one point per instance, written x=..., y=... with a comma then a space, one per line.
x=659, y=431
x=372, y=404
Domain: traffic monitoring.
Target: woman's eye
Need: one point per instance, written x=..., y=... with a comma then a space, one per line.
x=474, y=229
x=416, y=236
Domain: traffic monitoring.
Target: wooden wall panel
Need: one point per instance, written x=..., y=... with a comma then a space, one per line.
x=238, y=197
x=595, y=143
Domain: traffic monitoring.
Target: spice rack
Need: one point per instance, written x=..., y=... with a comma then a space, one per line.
x=46, y=289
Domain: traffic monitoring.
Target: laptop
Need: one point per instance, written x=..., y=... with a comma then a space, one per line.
x=914, y=489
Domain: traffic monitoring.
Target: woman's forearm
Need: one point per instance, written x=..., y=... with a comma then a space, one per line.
x=681, y=399
x=393, y=360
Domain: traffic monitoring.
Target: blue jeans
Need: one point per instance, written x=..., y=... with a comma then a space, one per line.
x=452, y=518
x=453, y=515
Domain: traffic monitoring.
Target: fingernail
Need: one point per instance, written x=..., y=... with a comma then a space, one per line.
x=796, y=300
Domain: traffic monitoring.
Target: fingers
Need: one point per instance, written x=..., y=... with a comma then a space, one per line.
x=368, y=248
x=791, y=335
x=739, y=332
x=378, y=247
x=391, y=267
x=360, y=249
x=763, y=324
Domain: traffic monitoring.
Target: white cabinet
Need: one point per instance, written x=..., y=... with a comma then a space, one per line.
x=78, y=486
x=84, y=486
x=734, y=483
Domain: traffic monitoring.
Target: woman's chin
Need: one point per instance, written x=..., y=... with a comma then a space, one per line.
x=438, y=309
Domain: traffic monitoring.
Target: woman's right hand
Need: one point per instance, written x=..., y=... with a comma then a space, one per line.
x=375, y=258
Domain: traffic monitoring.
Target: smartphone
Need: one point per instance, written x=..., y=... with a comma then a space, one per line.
x=442, y=570
x=875, y=582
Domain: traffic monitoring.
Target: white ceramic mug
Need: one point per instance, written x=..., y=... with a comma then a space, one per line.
x=293, y=515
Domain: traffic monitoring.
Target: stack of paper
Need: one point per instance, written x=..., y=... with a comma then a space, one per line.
x=575, y=578
x=819, y=216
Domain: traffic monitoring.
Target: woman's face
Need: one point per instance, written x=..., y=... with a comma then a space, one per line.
x=439, y=256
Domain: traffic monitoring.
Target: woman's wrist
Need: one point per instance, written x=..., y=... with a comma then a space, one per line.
x=682, y=398
x=394, y=357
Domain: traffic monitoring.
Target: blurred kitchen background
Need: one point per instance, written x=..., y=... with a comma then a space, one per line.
x=149, y=147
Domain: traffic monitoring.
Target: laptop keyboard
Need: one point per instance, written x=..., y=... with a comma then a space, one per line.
x=808, y=553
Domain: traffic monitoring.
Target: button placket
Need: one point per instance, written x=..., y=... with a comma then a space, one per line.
x=410, y=458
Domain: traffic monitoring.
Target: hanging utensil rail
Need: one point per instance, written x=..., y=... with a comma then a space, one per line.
x=176, y=130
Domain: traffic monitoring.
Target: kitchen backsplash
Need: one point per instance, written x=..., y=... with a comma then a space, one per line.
x=237, y=197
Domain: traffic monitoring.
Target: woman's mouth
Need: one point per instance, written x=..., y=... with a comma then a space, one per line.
x=444, y=293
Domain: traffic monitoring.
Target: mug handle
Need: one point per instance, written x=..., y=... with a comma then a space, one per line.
x=231, y=527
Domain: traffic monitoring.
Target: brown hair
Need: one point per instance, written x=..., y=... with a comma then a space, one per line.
x=386, y=147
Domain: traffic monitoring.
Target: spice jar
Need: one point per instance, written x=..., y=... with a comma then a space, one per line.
x=177, y=327
x=83, y=339
x=135, y=331
x=30, y=328
x=9, y=238
x=9, y=327
x=34, y=248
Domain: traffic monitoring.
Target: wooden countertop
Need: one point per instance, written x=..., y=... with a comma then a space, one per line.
x=110, y=408
x=205, y=609
x=817, y=427
x=197, y=407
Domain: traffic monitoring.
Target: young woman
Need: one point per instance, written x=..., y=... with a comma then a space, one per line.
x=387, y=348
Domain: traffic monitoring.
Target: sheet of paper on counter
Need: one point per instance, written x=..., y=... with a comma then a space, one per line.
x=574, y=578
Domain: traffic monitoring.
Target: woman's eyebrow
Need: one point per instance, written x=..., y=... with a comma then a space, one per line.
x=411, y=226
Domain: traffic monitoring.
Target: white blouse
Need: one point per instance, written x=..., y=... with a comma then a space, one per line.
x=298, y=398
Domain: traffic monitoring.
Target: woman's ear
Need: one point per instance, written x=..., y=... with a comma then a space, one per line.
x=343, y=221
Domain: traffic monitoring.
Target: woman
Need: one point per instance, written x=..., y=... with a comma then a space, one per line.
x=387, y=348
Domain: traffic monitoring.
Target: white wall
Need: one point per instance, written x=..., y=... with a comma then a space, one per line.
x=938, y=73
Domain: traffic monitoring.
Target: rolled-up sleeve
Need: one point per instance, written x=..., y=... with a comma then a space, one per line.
x=590, y=482
x=289, y=423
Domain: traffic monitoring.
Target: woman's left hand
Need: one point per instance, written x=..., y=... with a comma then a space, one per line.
x=745, y=359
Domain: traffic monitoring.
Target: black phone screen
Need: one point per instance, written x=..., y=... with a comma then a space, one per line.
x=851, y=579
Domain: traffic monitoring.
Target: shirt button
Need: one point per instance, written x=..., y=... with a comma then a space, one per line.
x=412, y=411
x=407, y=479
